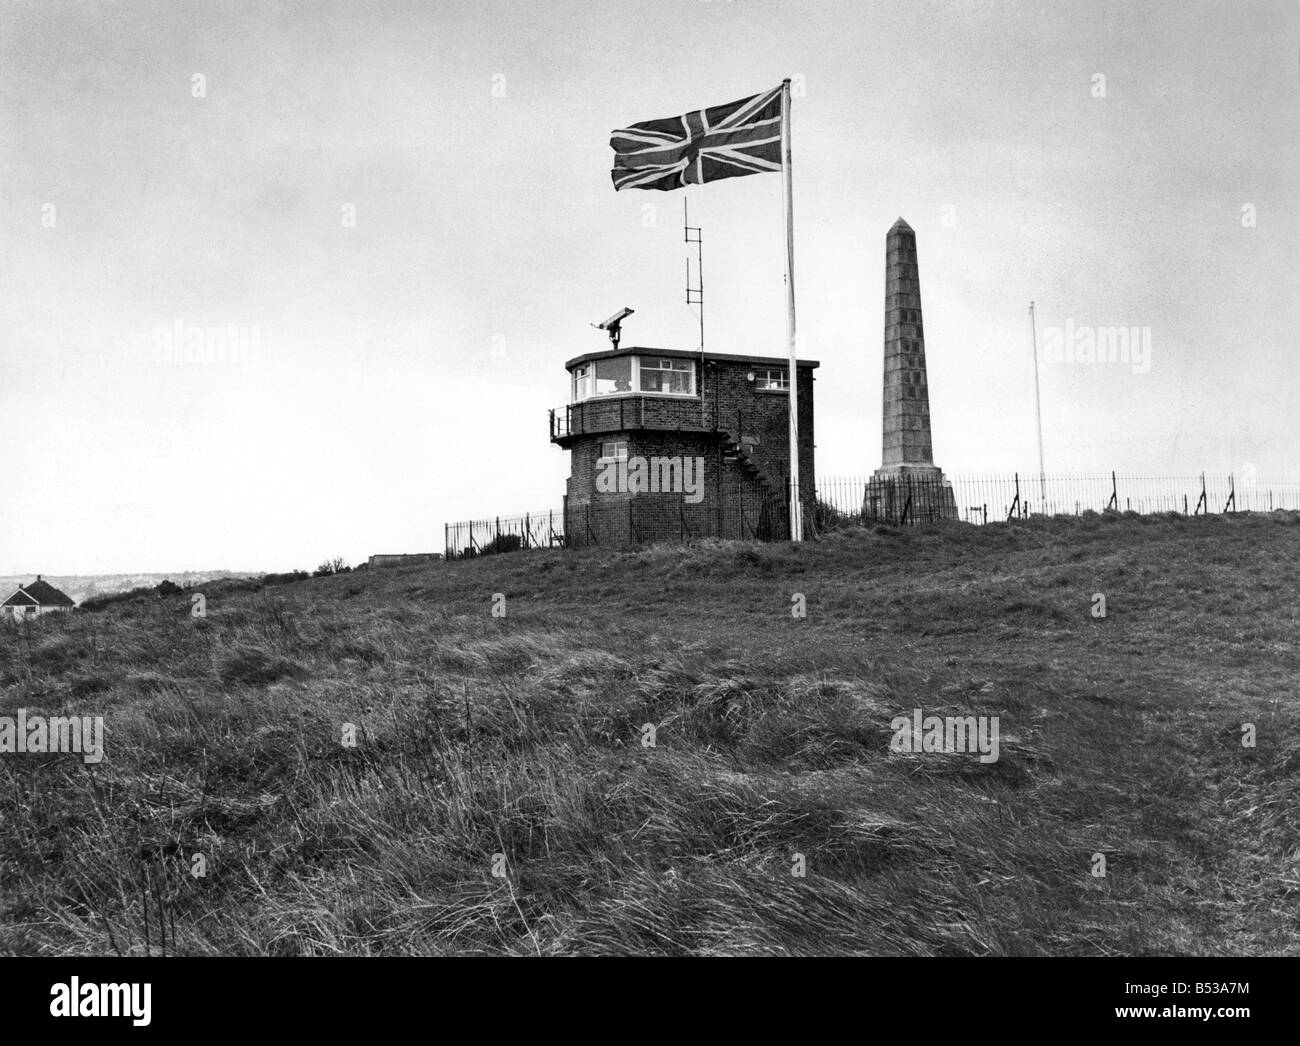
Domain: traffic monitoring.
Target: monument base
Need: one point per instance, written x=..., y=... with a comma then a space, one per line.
x=903, y=494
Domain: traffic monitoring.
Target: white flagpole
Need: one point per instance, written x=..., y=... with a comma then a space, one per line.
x=787, y=194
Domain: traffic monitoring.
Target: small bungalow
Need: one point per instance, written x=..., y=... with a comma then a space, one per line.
x=40, y=597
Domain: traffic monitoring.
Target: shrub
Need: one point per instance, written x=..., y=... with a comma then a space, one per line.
x=503, y=543
x=284, y=579
x=827, y=517
x=133, y=595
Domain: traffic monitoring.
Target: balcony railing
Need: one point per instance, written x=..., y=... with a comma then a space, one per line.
x=626, y=413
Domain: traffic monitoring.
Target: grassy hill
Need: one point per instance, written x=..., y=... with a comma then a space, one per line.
x=80, y=587
x=522, y=736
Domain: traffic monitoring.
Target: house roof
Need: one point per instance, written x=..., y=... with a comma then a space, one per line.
x=39, y=593
x=718, y=357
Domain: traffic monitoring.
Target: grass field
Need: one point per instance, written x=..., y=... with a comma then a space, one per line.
x=523, y=736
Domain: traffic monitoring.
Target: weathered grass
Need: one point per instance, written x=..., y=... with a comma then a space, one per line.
x=522, y=736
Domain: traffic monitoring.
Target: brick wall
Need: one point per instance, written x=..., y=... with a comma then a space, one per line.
x=745, y=410
x=736, y=503
x=404, y=559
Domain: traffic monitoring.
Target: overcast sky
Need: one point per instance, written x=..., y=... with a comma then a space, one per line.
x=406, y=362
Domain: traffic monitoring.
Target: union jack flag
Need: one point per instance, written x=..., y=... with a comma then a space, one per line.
x=703, y=146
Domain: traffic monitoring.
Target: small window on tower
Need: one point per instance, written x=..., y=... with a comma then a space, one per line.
x=770, y=379
x=671, y=377
x=581, y=383
x=613, y=376
x=615, y=450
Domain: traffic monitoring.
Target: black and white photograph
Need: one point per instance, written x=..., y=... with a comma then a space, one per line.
x=649, y=479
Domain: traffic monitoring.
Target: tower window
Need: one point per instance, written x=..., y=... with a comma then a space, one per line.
x=623, y=375
x=674, y=377
x=581, y=383
x=613, y=376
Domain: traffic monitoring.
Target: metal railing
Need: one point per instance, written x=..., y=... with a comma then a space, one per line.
x=485, y=537
x=630, y=412
x=990, y=498
x=862, y=500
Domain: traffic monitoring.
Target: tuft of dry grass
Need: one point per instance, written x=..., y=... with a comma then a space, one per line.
x=502, y=795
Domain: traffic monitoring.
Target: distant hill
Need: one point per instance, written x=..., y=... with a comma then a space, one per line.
x=81, y=587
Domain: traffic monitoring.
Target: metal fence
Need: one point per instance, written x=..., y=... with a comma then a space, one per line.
x=485, y=537
x=860, y=500
x=844, y=500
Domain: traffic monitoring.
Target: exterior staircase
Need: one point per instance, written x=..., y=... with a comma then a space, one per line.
x=738, y=449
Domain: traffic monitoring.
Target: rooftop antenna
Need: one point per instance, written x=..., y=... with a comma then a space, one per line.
x=695, y=295
x=614, y=325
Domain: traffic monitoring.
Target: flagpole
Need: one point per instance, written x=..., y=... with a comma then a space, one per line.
x=787, y=194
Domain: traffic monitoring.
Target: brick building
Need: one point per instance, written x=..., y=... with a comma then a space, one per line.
x=660, y=451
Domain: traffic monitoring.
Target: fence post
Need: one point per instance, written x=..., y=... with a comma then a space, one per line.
x=446, y=540
x=528, y=530
x=1232, y=495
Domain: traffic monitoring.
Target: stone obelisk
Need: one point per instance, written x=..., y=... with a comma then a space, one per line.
x=908, y=483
